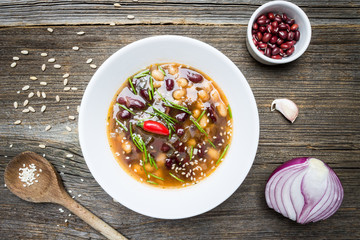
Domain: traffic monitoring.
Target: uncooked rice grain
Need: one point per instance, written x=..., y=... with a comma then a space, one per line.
x=17, y=122
x=48, y=127
x=66, y=81
x=68, y=128
x=38, y=94
x=42, y=146
x=25, y=102
x=75, y=48
x=43, y=94
x=13, y=64
x=43, y=54
x=51, y=60
x=57, y=66
x=33, y=78
x=16, y=104
x=25, y=52
x=69, y=155
x=43, y=67
x=89, y=60
x=43, y=108
x=26, y=87
x=43, y=83
x=80, y=33
x=57, y=98
x=50, y=30
x=66, y=88
x=66, y=75
x=31, y=109
x=31, y=95
x=26, y=110
x=93, y=66
x=16, y=58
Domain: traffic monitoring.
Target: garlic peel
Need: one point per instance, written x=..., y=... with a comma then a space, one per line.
x=287, y=107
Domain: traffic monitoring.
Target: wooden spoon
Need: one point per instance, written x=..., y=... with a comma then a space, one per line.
x=49, y=188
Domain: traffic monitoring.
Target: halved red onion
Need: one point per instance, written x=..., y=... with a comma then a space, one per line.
x=304, y=190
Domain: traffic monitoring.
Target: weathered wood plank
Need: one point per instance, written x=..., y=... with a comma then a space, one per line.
x=22, y=13
x=324, y=85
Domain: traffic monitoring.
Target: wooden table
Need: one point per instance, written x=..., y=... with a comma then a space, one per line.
x=324, y=82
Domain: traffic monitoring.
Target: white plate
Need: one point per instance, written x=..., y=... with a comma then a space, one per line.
x=140, y=197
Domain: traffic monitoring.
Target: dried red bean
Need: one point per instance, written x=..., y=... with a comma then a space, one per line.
x=283, y=34
x=279, y=41
x=134, y=103
x=255, y=42
x=262, y=45
x=294, y=27
x=180, y=132
x=276, y=57
x=278, y=18
x=291, y=43
x=275, y=51
x=181, y=117
x=261, y=22
x=266, y=37
x=276, y=30
x=254, y=31
x=287, y=27
x=123, y=114
x=269, y=28
x=261, y=51
x=271, y=16
x=262, y=29
x=297, y=35
x=165, y=148
x=290, y=21
x=169, y=84
x=272, y=45
x=212, y=112
x=259, y=36
x=255, y=26
x=262, y=17
x=275, y=24
x=267, y=21
x=282, y=52
x=121, y=100
x=290, y=51
x=284, y=17
x=285, y=46
x=195, y=77
x=273, y=39
x=145, y=94
x=282, y=26
x=291, y=36
x=268, y=52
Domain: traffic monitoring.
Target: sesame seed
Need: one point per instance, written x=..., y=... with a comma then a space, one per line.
x=117, y=5
x=131, y=17
x=74, y=88
x=43, y=54
x=66, y=88
x=16, y=58
x=43, y=83
x=72, y=117
x=25, y=52
x=43, y=108
x=48, y=127
x=42, y=146
x=17, y=122
x=66, y=75
x=75, y=48
x=31, y=109
x=80, y=33
x=57, y=66
x=69, y=155
x=31, y=95
x=50, y=30
x=26, y=87
x=57, y=98
x=38, y=94
x=26, y=102
x=68, y=128
x=51, y=60
x=13, y=64
x=43, y=94
x=89, y=60
x=43, y=67
x=66, y=81
x=16, y=105
x=93, y=66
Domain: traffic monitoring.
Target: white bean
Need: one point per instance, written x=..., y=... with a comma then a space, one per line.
x=157, y=75
x=196, y=113
x=173, y=70
x=222, y=109
x=126, y=147
x=182, y=82
x=178, y=94
x=213, y=154
x=203, y=95
x=203, y=121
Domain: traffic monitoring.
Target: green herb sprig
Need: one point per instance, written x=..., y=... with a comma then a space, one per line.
x=201, y=115
x=162, y=70
x=127, y=109
x=191, y=152
x=142, y=74
x=229, y=110
x=156, y=176
x=222, y=155
x=201, y=130
x=176, y=177
x=121, y=125
x=132, y=86
x=172, y=104
x=149, y=181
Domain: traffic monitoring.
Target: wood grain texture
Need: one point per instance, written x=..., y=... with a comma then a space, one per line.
x=324, y=83
x=22, y=12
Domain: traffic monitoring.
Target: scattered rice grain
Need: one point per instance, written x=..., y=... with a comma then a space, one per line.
x=43, y=67
x=33, y=78
x=75, y=48
x=93, y=66
x=131, y=17
x=66, y=75
x=72, y=117
x=57, y=98
x=51, y=60
x=17, y=122
x=68, y=128
x=50, y=30
x=42, y=146
x=26, y=87
x=48, y=127
x=66, y=81
x=43, y=108
x=117, y=5
x=16, y=58
x=66, y=88
x=74, y=88
x=31, y=95
x=26, y=110
x=26, y=102
x=112, y=24
x=69, y=155
x=13, y=64
x=16, y=105
x=89, y=60
x=43, y=94
x=57, y=66
x=25, y=52
x=31, y=109
x=78, y=109
x=80, y=33
x=43, y=54
x=43, y=83
x=38, y=94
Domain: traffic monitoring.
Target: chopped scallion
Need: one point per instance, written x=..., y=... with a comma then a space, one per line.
x=191, y=152
x=176, y=177
x=201, y=115
x=121, y=125
x=142, y=74
x=132, y=86
x=124, y=107
x=149, y=181
x=212, y=144
x=229, y=110
x=156, y=176
x=162, y=70
x=222, y=155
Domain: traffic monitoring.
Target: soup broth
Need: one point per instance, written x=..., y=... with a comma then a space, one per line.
x=169, y=125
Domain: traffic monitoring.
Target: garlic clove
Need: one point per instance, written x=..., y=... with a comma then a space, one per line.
x=287, y=107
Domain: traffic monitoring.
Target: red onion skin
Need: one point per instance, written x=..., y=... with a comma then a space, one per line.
x=330, y=201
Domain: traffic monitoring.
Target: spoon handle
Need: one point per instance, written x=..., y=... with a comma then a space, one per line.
x=91, y=219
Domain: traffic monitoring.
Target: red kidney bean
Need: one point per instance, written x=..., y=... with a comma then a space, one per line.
x=294, y=27
x=276, y=57
x=255, y=26
x=121, y=100
x=290, y=51
x=261, y=22
x=282, y=52
x=169, y=84
x=259, y=36
x=275, y=24
x=170, y=161
x=267, y=21
x=212, y=112
x=283, y=34
x=282, y=26
x=262, y=17
x=145, y=94
x=123, y=114
x=297, y=35
x=276, y=30
x=290, y=21
x=275, y=51
x=165, y=148
x=134, y=103
x=273, y=39
x=268, y=52
x=287, y=27
x=269, y=28
x=285, y=46
x=272, y=45
x=284, y=17
x=180, y=132
x=181, y=117
x=254, y=31
x=195, y=77
x=262, y=45
x=271, y=16
x=255, y=42
x=262, y=29
x=279, y=41
x=291, y=43
x=261, y=51
x=266, y=37
x=291, y=36
x=278, y=18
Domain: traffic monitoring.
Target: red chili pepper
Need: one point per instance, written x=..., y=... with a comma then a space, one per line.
x=154, y=127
